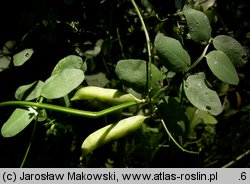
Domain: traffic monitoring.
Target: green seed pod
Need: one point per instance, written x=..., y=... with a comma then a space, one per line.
x=111, y=133
x=104, y=95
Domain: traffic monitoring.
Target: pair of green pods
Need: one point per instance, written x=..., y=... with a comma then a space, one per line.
x=112, y=131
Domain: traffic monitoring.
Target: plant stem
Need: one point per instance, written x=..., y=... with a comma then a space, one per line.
x=175, y=142
x=120, y=42
x=231, y=163
x=199, y=58
x=28, y=149
x=148, y=69
x=67, y=110
x=31, y=138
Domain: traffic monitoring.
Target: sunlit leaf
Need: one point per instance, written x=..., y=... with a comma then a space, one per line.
x=171, y=53
x=89, y=50
x=29, y=91
x=222, y=67
x=198, y=24
x=232, y=48
x=18, y=121
x=70, y=62
x=4, y=62
x=8, y=46
x=62, y=83
x=23, y=56
x=200, y=95
x=94, y=52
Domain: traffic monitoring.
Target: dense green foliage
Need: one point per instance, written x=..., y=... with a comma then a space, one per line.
x=124, y=84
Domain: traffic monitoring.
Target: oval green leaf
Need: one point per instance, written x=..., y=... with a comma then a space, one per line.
x=4, y=62
x=21, y=57
x=70, y=62
x=205, y=4
x=221, y=66
x=198, y=24
x=8, y=47
x=196, y=117
x=18, y=121
x=133, y=73
x=232, y=48
x=29, y=91
x=62, y=83
x=200, y=95
x=171, y=53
